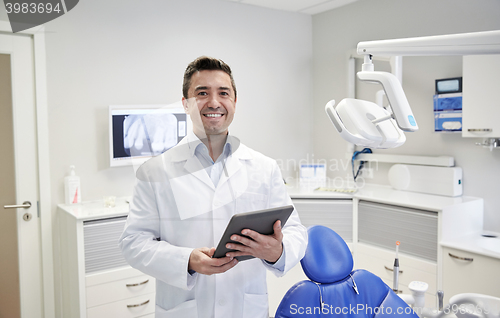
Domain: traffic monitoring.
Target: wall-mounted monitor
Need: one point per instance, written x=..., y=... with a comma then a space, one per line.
x=140, y=132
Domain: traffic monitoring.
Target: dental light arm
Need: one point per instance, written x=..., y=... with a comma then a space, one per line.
x=361, y=123
x=396, y=97
x=475, y=43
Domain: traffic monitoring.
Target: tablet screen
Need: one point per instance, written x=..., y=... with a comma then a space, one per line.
x=260, y=221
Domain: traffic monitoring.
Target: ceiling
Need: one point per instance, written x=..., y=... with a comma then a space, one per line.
x=301, y=6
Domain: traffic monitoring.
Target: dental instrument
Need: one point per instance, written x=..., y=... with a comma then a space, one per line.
x=440, y=295
x=395, y=282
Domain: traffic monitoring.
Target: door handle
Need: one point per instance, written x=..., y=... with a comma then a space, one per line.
x=468, y=259
x=137, y=284
x=479, y=129
x=25, y=205
x=138, y=305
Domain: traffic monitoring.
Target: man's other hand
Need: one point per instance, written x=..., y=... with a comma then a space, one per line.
x=201, y=261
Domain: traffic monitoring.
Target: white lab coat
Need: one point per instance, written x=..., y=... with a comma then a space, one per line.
x=176, y=208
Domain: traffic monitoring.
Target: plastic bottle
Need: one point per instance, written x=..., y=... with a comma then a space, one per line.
x=72, y=191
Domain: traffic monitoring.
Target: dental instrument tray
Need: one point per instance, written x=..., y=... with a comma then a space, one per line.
x=261, y=221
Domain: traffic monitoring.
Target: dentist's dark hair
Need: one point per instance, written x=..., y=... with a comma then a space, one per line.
x=205, y=63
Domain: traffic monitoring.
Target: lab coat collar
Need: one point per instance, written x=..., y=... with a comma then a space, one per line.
x=185, y=151
x=187, y=146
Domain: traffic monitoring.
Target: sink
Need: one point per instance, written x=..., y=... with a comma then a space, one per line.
x=472, y=305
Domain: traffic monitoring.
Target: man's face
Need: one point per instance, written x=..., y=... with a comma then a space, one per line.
x=211, y=102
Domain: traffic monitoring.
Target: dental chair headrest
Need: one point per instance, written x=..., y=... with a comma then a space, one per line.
x=328, y=258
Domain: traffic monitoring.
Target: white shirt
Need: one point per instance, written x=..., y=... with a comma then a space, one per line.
x=214, y=169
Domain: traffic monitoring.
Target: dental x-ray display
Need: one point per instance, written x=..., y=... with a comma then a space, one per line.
x=138, y=133
x=149, y=134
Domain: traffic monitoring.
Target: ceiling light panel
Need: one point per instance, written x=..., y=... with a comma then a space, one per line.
x=287, y=5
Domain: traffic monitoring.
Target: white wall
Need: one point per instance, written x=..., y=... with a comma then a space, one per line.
x=135, y=52
x=337, y=32
x=131, y=52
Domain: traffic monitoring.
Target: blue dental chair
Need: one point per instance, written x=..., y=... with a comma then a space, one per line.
x=334, y=289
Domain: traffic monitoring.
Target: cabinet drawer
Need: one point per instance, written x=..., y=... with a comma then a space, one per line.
x=382, y=225
x=465, y=276
x=380, y=262
x=108, y=292
x=143, y=305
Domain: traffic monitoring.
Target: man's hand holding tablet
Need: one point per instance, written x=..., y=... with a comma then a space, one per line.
x=254, y=234
x=252, y=243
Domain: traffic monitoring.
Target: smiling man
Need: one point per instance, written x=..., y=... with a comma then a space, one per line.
x=184, y=199
x=210, y=99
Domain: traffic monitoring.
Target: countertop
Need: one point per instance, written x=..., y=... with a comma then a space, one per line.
x=95, y=209
x=387, y=195
x=301, y=193
x=477, y=243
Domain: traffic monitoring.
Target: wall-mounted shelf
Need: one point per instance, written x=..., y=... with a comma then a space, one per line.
x=441, y=161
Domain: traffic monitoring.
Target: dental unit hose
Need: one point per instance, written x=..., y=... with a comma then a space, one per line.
x=396, y=270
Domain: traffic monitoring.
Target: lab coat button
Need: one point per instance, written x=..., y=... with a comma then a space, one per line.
x=222, y=302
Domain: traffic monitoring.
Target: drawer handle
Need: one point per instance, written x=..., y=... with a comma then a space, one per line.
x=461, y=258
x=480, y=130
x=392, y=270
x=138, y=305
x=138, y=284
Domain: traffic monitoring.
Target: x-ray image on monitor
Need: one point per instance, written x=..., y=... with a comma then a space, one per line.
x=150, y=134
x=137, y=134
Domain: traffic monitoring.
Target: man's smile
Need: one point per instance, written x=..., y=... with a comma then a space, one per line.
x=213, y=115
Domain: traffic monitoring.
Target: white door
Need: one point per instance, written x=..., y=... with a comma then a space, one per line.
x=20, y=245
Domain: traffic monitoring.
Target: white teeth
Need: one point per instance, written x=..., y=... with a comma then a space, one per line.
x=213, y=115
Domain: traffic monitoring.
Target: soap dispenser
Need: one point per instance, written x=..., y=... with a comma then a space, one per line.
x=72, y=191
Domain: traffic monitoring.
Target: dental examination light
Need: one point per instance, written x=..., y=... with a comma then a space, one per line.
x=366, y=124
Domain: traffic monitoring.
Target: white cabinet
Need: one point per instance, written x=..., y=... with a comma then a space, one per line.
x=419, y=222
x=466, y=272
x=380, y=226
x=380, y=261
x=480, y=103
x=95, y=279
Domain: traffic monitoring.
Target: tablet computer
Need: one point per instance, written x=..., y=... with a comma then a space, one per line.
x=259, y=221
